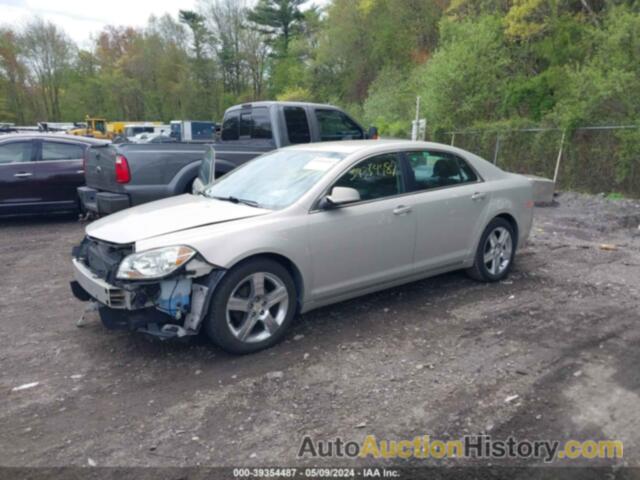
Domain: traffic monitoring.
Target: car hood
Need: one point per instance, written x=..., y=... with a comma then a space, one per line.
x=166, y=216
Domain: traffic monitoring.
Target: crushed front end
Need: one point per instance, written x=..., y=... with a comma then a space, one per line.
x=131, y=297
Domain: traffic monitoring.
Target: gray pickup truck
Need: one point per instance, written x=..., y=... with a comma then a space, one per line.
x=119, y=176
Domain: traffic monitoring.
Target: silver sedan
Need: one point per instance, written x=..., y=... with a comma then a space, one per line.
x=297, y=229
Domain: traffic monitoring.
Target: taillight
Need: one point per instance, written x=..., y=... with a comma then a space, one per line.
x=123, y=174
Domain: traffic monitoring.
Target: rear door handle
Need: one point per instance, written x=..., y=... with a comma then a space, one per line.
x=23, y=174
x=478, y=196
x=79, y=171
x=401, y=210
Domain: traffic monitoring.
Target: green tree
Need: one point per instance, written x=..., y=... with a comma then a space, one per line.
x=196, y=23
x=466, y=78
x=361, y=38
x=280, y=19
x=606, y=87
x=390, y=104
x=13, y=74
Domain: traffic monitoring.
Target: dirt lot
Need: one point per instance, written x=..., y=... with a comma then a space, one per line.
x=438, y=357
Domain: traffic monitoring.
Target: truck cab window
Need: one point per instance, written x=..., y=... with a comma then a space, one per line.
x=297, y=125
x=335, y=125
x=101, y=126
x=255, y=124
x=230, y=126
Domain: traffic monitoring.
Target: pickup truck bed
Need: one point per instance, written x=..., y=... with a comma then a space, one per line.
x=161, y=170
x=156, y=170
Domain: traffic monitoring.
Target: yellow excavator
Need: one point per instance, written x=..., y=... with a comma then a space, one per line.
x=95, y=127
x=100, y=128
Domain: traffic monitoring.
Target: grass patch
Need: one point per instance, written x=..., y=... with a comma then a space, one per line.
x=615, y=196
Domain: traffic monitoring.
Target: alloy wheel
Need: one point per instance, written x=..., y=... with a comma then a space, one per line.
x=257, y=307
x=497, y=250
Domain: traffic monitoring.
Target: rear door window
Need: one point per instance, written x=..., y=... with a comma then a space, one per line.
x=61, y=151
x=255, y=124
x=297, y=125
x=335, y=125
x=15, y=152
x=438, y=169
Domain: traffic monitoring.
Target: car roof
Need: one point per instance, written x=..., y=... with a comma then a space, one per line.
x=267, y=103
x=52, y=136
x=354, y=146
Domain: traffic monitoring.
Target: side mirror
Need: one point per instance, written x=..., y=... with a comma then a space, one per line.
x=339, y=196
x=197, y=187
x=373, y=133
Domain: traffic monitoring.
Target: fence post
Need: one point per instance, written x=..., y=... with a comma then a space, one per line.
x=453, y=138
x=555, y=173
x=495, y=152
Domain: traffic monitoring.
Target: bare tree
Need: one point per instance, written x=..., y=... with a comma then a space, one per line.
x=225, y=19
x=255, y=57
x=47, y=52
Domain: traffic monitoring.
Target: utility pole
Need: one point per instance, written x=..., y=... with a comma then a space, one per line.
x=557, y=169
x=419, y=125
x=416, y=122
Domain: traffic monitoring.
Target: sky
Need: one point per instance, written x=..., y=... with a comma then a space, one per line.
x=81, y=18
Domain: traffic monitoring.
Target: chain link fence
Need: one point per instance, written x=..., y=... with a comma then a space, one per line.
x=591, y=159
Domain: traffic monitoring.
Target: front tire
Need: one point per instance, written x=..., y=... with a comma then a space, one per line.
x=495, y=253
x=252, y=307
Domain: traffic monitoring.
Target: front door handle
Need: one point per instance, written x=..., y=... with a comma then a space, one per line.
x=478, y=196
x=401, y=210
x=23, y=174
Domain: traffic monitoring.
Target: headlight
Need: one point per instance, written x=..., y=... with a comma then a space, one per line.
x=154, y=263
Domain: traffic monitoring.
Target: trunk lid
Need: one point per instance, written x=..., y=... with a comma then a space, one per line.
x=100, y=172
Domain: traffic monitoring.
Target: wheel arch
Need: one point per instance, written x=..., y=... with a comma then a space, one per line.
x=288, y=264
x=512, y=221
x=184, y=177
x=505, y=215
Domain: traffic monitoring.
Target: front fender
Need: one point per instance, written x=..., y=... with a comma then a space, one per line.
x=229, y=243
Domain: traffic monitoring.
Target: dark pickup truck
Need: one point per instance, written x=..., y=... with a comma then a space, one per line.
x=119, y=176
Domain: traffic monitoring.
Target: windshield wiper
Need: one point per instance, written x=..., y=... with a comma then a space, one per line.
x=244, y=201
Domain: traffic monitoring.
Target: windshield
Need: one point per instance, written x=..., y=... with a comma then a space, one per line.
x=275, y=180
x=99, y=125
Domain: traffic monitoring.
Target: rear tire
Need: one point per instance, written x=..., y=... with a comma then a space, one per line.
x=495, y=253
x=252, y=307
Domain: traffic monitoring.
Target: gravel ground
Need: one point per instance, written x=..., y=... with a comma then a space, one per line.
x=550, y=353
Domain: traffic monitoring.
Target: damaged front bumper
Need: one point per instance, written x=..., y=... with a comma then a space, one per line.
x=170, y=307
